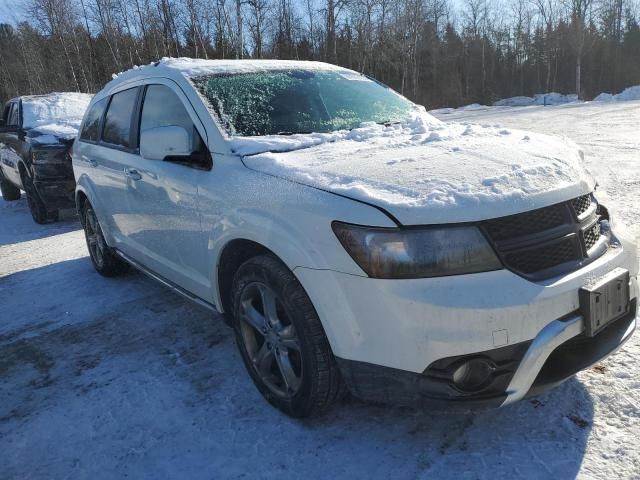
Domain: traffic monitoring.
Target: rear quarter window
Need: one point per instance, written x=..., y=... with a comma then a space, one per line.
x=91, y=127
x=118, y=121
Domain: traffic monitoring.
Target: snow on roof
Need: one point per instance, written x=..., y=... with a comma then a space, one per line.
x=55, y=114
x=193, y=67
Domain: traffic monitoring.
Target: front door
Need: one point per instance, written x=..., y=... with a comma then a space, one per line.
x=163, y=218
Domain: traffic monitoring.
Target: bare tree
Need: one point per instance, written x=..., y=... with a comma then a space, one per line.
x=578, y=11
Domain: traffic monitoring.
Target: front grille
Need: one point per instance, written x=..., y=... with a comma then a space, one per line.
x=581, y=204
x=591, y=237
x=548, y=241
x=535, y=259
x=525, y=223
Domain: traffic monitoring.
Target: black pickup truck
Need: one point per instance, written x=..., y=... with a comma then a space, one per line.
x=36, y=134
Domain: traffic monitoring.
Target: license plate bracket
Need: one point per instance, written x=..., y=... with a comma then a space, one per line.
x=604, y=301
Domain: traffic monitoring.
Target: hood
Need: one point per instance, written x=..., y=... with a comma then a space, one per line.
x=47, y=137
x=424, y=171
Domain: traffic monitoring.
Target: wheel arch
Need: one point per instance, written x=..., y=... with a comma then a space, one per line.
x=84, y=193
x=81, y=198
x=233, y=254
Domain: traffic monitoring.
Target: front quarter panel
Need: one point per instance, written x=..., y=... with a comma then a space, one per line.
x=291, y=220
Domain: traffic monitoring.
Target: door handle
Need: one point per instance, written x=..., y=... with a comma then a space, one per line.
x=90, y=161
x=132, y=173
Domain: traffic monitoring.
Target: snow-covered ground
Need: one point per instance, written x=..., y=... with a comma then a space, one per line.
x=542, y=99
x=107, y=378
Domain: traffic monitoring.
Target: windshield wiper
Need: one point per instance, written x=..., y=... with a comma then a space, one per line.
x=287, y=132
x=386, y=123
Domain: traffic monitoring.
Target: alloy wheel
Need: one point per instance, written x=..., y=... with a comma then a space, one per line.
x=270, y=340
x=95, y=239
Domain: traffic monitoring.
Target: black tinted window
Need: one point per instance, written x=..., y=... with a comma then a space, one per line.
x=14, y=116
x=117, y=125
x=91, y=126
x=163, y=108
x=5, y=113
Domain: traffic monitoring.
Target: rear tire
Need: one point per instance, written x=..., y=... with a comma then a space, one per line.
x=281, y=339
x=9, y=191
x=38, y=209
x=106, y=262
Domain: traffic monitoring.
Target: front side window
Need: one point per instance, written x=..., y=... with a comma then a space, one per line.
x=300, y=101
x=91, y=127
x=14, y=116
x=163, y=108
x=6, y=113
x=117, y=124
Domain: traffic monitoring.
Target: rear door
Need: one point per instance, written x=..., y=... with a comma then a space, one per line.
x=109, y=147
x=163, y=221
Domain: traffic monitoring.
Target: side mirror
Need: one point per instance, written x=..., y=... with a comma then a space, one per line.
x=162, y=142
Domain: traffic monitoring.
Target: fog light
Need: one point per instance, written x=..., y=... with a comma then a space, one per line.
x=472, y=375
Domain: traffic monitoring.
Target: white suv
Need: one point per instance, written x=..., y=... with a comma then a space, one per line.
x=351, y=239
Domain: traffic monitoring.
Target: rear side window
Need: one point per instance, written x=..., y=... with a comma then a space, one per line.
x=91, y=127
x=163, y=108
x=117, y=124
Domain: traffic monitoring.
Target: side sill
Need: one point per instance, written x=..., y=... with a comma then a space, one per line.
x=167, y=283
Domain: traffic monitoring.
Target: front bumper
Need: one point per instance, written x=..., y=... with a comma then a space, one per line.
x=559, y=352
x=55, y=184
x=56, y=193
x=390, y=329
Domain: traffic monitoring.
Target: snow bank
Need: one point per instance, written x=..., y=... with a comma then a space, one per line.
x=552, y=98
x=459, y=172
x=54, y=115
x=628, y=94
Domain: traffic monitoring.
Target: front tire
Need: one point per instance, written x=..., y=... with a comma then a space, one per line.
x=9, y=191
x=103, y=257
x=281, y=339
x=39, y=212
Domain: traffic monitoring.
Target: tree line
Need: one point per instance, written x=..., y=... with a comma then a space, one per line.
x=436, y=52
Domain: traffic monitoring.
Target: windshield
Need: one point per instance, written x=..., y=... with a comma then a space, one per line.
x=300, y=101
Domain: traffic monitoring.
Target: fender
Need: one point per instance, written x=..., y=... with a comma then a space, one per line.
x=272, y=237
x=291, y=220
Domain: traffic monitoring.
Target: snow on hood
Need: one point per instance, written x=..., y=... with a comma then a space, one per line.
x=424, y=171
x=54, y=116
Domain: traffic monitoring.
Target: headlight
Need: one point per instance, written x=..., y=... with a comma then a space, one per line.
x=417, y=252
